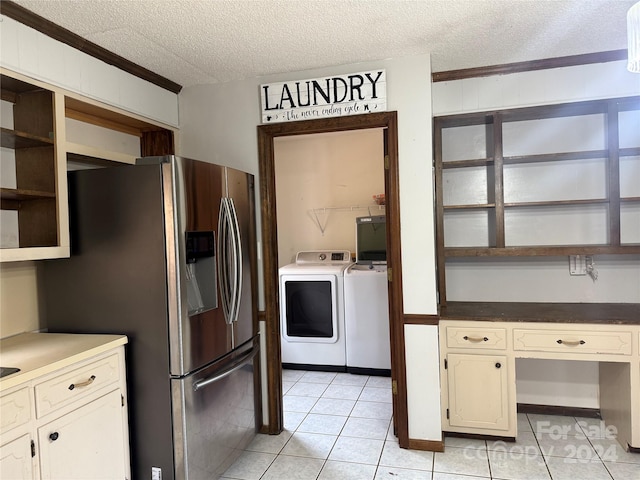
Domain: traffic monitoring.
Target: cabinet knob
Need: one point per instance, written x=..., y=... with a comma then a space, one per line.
x=54, y=436
x=498, y=365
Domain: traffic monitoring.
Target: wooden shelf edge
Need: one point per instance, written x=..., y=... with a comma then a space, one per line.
x=629, y=152
x=23, y=194
x=545, y=203
x=605, y=313
x=469, y=206
x=15, y=139
x=541, y=251
x=94, y=154
x=33, y=253
x=475, y=162
x=557, y=203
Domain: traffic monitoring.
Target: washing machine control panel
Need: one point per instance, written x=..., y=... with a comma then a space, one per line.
x=324, y=257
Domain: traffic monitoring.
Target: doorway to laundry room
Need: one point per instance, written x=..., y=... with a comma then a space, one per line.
x=316, y=178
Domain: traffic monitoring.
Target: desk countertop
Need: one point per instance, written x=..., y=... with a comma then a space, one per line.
x=591, y=313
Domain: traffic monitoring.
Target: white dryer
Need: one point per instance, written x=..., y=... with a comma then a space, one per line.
x=312, y=310
x=367, y=320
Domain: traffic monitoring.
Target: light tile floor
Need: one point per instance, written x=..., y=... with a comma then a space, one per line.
x=338, y=427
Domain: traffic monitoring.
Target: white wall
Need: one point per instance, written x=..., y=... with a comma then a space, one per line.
x=543, y=279
x=32, y=53
x=218, y=124
x=323, y=183
x=19, y=310
x=539, y=87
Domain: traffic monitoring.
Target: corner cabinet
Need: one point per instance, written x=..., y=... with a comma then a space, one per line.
x=45, y=132
x=71, y=423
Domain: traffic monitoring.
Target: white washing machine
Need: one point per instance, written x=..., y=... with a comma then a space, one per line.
x=312, y=310
x=366, y=307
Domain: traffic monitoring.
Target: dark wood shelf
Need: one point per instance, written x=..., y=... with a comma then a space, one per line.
x=541, y=251
x=630, y=152
x=15, y=140
x=542, y=203
x=557, y=203
x=480, y=162
x=593, y=313
x=557, y=157
x=24, y=195
x=472, y=206
x=546, y=157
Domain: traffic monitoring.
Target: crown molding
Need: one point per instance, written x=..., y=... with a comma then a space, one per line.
x=46, y=27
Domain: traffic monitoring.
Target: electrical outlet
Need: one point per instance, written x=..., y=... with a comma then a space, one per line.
x=577, y=265
x=156, y=473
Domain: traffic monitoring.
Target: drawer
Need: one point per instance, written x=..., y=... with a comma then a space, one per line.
x=79, y=383
x=15, y=409
x=572, y=341
x=477, y=338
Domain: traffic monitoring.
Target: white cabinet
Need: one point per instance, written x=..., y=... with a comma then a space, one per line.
x=68, y=419
x=478, y=378
x=16, y=461
x=85, y=443
x=46, y=131
x=33, y=189
x=478, y=391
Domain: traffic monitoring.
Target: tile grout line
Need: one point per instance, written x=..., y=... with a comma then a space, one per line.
x=535, y=437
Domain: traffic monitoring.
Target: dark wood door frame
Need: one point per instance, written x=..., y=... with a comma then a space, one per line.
x=266, y=136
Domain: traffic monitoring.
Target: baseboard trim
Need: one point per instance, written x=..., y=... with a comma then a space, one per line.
x=426, y=445
x=559, y=410
x=376, y=372
x=264, y=429
x=315, y=368
x=477, y=436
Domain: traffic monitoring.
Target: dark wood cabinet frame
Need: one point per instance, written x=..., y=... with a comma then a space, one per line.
x=266, y=135
x=495, y=159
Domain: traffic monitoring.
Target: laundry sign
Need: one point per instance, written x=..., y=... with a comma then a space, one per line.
x=335, y=96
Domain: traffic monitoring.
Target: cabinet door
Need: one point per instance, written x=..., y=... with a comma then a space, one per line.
x=478, y=391
x=86, y=443
x=15, y=459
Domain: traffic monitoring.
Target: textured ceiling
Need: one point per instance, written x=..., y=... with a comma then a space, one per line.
x=209, y=41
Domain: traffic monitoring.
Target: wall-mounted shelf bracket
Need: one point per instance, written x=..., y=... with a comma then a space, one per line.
x=320, y=216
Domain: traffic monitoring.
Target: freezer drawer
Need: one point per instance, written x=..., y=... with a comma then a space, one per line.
x=214, y=415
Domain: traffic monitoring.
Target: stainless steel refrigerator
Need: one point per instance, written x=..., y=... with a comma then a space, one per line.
x=164, y=251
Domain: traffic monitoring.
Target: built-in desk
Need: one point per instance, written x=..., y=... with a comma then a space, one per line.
x=479, y=343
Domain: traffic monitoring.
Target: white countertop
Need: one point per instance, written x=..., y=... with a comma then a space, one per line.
x=37, y=354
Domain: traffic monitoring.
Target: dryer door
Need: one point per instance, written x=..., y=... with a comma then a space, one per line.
x=308, y=308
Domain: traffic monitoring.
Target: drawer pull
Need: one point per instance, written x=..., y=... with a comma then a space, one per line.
x=83, y=384
x=54, y=436
x=498, y=365
x=475, y=339
x=571, y=343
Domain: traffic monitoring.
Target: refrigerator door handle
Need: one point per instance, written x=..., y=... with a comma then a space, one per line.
x=237, y=261
x=238, y=364
x=223, y=259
